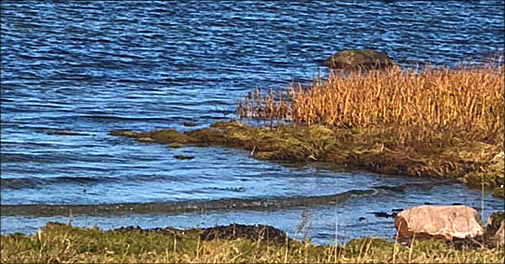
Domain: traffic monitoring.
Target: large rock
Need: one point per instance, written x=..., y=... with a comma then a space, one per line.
x=358, y=59
x=457, y=221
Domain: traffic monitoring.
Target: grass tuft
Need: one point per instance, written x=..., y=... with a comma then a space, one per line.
x=61, y=243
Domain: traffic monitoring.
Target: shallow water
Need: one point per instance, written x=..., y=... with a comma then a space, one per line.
x=91, y=67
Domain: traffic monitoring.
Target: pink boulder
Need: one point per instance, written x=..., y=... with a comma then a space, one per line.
x=457, y=221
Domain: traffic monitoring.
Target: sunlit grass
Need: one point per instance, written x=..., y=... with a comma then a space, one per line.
x=420, y=106
x=58, y=243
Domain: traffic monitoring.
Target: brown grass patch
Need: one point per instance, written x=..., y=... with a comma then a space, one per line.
x=432, y=106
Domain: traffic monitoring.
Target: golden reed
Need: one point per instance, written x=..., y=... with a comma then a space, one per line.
x=468, y=101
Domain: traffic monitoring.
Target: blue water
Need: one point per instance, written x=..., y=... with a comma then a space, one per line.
x=90, y=67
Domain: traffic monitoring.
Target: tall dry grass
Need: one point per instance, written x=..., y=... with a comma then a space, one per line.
x=418, y=105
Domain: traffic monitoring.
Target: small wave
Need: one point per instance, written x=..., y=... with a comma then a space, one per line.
x=124, y=118
x=228, y=189
x=416, y=185
x=66, y=133
x=35, y=58
x=34, y=182
x=183, y=206
x=8, y=157
x=260, y=203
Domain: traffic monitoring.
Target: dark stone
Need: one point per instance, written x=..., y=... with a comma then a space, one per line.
x=359, y=59
x=158, y=230
x=382, y=214
x=188, y=124
x=183, y=157
x=251, y=232
x=230, y=232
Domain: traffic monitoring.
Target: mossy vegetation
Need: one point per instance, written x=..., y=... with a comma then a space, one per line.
x=445, y=123
x=57, y=243
x=374, y=149
x=435, y=123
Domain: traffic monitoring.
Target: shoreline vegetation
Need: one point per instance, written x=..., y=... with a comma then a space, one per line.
x=56, y=243
x=442, y=123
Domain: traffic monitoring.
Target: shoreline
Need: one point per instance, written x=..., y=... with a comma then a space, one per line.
x=198, y=206
x=477, y=164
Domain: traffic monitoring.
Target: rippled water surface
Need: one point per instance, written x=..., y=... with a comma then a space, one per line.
x=90, y=67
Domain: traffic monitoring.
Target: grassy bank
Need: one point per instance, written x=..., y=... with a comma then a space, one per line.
x=61, y=243
x=434, y=123
x=374, y=149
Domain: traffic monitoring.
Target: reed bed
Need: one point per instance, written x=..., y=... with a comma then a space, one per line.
x=418, y=105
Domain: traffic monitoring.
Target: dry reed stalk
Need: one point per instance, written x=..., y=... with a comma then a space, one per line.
x=469, y=102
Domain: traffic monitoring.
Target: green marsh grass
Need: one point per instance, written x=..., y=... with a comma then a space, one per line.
x=59, y=243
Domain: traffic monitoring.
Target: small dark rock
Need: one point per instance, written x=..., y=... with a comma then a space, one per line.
x=359, y=59
x=189, y=124
x=382, y=214
x=251, y=232
x=183, y=157
x=164, y=231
